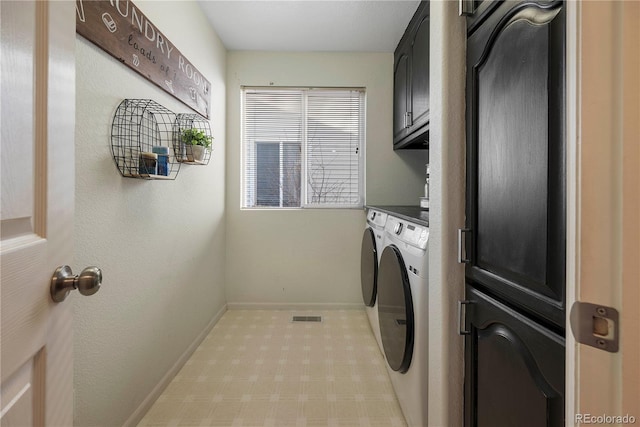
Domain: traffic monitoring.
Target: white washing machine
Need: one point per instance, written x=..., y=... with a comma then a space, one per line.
x=372, y=245
x=403, y=302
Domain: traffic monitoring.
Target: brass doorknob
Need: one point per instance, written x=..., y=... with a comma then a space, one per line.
x=64, y=281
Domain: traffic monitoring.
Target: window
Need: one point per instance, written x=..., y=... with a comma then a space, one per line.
x=302, y=147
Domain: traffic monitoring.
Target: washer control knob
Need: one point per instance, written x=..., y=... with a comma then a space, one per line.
x=398, y=228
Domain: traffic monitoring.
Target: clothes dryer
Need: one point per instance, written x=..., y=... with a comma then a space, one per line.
x=403, y=315
x=371, y=251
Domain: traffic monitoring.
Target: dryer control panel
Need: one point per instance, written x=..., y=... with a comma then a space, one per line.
x=412, y=234
x=376, y=218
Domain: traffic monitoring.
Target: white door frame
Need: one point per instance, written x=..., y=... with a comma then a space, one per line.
x=603, y=116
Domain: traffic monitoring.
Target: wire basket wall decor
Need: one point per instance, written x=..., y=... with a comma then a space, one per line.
x=188, y=126
x=142, y=135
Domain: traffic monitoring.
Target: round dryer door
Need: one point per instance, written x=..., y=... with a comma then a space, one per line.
x=395, y=309
x=368, y=267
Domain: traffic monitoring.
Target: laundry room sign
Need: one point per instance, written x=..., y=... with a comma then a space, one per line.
x=122, y=30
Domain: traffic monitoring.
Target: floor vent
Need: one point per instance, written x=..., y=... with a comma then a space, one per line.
x=306, y=319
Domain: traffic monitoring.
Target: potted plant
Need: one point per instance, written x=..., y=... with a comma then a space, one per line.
x=196, y=142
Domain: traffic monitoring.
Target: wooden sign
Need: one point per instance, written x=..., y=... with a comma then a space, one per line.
x=119, y=28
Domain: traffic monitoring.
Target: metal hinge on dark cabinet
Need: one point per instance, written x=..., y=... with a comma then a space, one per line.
x=465, y=7
x=408, y=121
x=462, y=246
x=462, y=322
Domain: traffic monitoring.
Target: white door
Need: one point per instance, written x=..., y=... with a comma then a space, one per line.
x=37, y=169
x=604, y=199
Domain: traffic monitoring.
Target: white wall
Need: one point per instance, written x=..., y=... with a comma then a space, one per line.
x=447, y=160
x=160, y=244
x=311, y=256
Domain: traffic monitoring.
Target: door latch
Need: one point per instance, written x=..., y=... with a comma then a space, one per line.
x=595, y=325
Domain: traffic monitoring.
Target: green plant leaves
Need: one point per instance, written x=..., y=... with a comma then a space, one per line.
x=196, y=136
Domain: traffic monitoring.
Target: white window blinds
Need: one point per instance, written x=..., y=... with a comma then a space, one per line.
x=302, y=147
x=272, y=147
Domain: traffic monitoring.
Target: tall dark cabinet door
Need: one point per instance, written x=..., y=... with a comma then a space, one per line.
x=516, y=158
x=514, y=374
x=420, y=74
x=400, y=95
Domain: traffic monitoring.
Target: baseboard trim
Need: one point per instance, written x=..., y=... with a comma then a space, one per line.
x=293, y=306
x=146, y=404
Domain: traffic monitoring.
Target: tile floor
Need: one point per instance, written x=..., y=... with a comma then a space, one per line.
x=257, y=368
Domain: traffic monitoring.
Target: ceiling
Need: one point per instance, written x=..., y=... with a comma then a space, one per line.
x=310, y=25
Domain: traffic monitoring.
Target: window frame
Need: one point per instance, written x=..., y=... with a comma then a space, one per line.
x=361, y=150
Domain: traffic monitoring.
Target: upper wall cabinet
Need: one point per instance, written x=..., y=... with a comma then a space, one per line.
x=411, y=84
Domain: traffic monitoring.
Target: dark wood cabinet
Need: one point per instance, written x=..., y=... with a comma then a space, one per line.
x=400, y=93
x=516, y=157
x=411, y=84
x=478, y=11
x=515, y=214
x=514, y=375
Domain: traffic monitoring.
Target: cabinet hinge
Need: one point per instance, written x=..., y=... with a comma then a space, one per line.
x=461, y=258
x=465, y=7
x=461, y=322
x=408, y=119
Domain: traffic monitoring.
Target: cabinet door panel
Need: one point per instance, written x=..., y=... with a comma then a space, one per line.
x=480, y=10
x=516, y=149
x=514, y=368
x=411, y=83
x=512, y=155
x=420, y=74
x=400, y=98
